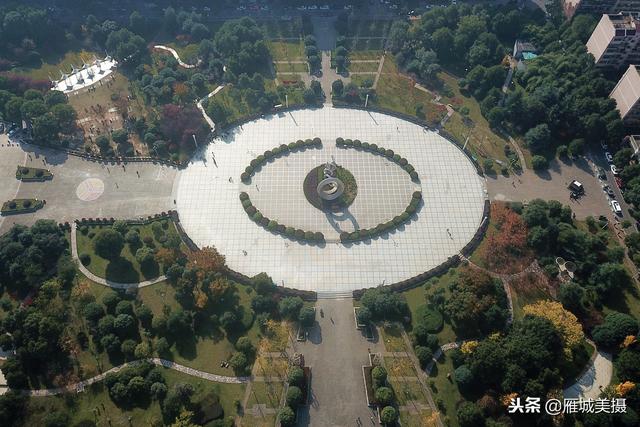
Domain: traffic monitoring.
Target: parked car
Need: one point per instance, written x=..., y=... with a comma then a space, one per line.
x=601, y=174
x=609, y=191
x=615, y=207
x=608, y=156
x=614, y=170
x=576, y=187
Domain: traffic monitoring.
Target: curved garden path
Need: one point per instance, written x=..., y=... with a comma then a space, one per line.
x=100, y=280
x=175, y=55
x=208, y=119
x=80, y=386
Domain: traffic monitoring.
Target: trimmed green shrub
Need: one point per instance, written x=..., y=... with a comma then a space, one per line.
x=268, y=154
x=251, y=211
x=357, y=143
x=417, y=195
x=246, y=203
x=290, y=232
x=403, y=162
x=317, y=141
x=318, y=237
x=396, y=158
x=276, y=151
x=308, y=142
x=382, y=150
x=243, y=196
x=404, y=216
x=408, y=168
x=413, y=175
x=348, y=142
x=299, y=234
x=308, y=235
x=257, y=216
x=389, y=154
x=254, y=163
x=264, y=221
x=261, y=158
x=292, y=146
x=339, y=141
x=299, y=143
x=271, y=226
x=366, y=146
x=284, y=148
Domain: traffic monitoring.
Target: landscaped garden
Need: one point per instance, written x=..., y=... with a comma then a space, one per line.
x=26, y=174
x=126, y=252
x=18, y=206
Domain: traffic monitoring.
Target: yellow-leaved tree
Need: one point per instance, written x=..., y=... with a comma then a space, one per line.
x=564, y=321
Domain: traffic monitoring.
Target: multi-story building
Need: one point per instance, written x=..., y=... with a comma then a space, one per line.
x=627, y=96
x=598, y=7
x=615, y=41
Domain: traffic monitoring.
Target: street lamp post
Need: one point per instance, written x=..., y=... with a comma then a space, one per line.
x=194, y=140
x=366, y=101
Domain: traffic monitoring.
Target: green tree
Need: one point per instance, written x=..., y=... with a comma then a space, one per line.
x=616, y=327
x=287, y=416
x=384, y=396
x=539, y=163
x=307, y=316
x=108, y=244
x=469, y=415
x=294, y=396
x=538, y=137
x=289, y=307
x=389, y=415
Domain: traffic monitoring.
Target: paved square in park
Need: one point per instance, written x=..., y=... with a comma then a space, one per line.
x=211, y=213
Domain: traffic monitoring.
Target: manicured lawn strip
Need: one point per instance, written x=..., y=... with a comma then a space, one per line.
x=399, y=366
x=365, y=54
x=21, y=205
x=392, y=336
x=81, y=405
x=265, y=393
x=445, y=390
x=421, y=419
x=521, y=297
x=286, y=50
x=26, y=173
x=291, y=68
x=371, y=67
x=264, y=420
x=126, y=269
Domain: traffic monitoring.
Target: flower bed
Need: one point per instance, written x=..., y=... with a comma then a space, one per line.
x=273, y=226
x=397, y=221
x=26, y=174
x=18, y=206
x=279, y=151
x=375, y=149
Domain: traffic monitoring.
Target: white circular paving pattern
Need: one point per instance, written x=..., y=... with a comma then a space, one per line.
x=90, y=189
x=212, y=215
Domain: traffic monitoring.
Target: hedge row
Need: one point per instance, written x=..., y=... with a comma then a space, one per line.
x=396, y=222
x=25, y=173
x=374, y=148
x=281, y=150
x=107, y=221
x=273, y=225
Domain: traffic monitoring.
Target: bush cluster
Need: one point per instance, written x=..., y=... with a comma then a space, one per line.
x=397, y=221
x=274, y=226
x=384, y=396
x=281, y=150
x=374, y=148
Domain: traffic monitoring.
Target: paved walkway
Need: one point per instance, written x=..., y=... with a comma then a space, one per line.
x=175, y=55
x=100, y=280
x=336, y=351
x=208, y=119
x=595, y=378
x=80, y=386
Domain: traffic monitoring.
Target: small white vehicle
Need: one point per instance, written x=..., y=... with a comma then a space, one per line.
x=615, y=207
x=608, y=156
x=614, y=170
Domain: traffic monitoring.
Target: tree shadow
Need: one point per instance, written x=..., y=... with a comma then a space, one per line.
x=150, y=270
x=121, y=270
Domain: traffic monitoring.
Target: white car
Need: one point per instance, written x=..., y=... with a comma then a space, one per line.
x=608, y=156
x=324, y=7
x=614, y=170
x=615, y=207
x=312, y=7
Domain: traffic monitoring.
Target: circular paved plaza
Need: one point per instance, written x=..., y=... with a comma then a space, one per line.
x=211, y=213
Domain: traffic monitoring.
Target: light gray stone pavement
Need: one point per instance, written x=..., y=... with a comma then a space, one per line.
x=100, y=280
x=336, y=352
x=11, y=155
x=80, y=386
x=593, y=381
x=552, y=185
x=84, y=189
x=212, y=215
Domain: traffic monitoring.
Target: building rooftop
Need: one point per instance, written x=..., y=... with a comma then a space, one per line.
x=610, y=26
x=627, y=91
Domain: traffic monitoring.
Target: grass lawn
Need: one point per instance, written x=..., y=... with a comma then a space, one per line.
x=528, y=291
x=365, y=54
x=286, y=50
x=369, y=27
x=126, y=268
x=417, y=417
x=264, y=420
x=363, y=67
x=397, y=92
x=265, y=393
x=483, y=142
x=279, y=28
x=392, y=336
x=291, y=67
x=399, y=366
x=211, y=345
x=64, y=63
x=80, y=406
x=444, y=391
x=416, y=297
